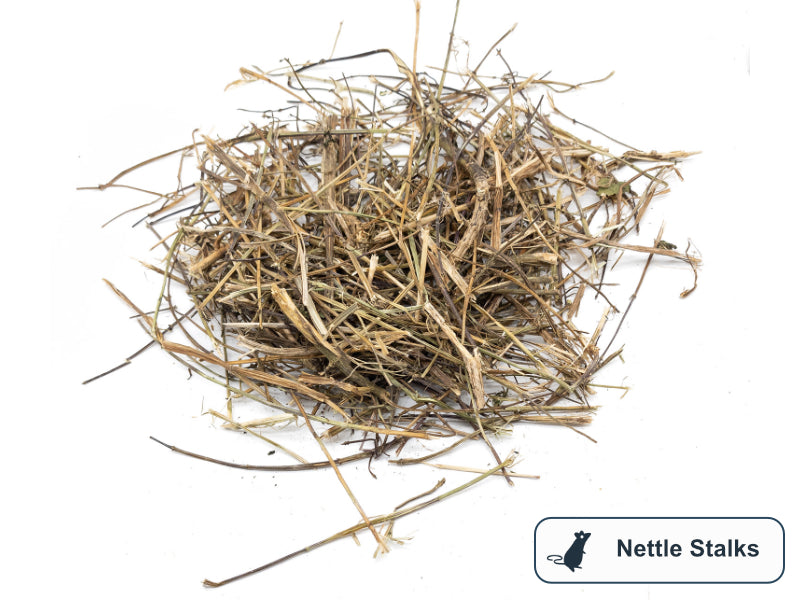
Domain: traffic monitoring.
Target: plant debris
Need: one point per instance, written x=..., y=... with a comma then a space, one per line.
x=403, y=257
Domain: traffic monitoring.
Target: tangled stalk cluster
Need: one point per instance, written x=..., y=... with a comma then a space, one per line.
x=413, y=248
x=402, y=258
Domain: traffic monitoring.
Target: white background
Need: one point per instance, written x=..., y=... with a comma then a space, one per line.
x=93, y=508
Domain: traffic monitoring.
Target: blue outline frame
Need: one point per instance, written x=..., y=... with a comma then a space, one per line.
x=783, y=566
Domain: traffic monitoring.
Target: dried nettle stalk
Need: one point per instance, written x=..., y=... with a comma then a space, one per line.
x=403, y=258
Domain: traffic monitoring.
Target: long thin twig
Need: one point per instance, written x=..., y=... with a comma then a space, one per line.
x=393, y=516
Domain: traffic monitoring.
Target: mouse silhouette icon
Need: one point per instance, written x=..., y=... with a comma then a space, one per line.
x=574, y=555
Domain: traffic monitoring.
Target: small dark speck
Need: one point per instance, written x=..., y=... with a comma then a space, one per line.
x=271, y=452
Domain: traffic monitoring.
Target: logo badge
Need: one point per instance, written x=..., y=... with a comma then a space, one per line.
x=659, y=550
x=573, y=557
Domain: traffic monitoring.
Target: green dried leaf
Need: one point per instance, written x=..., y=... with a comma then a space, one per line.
x=609, y=186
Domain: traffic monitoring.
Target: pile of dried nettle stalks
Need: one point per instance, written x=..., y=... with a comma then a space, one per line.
x=398, y=258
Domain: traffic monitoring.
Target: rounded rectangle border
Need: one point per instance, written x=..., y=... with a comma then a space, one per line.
x=655, y=581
